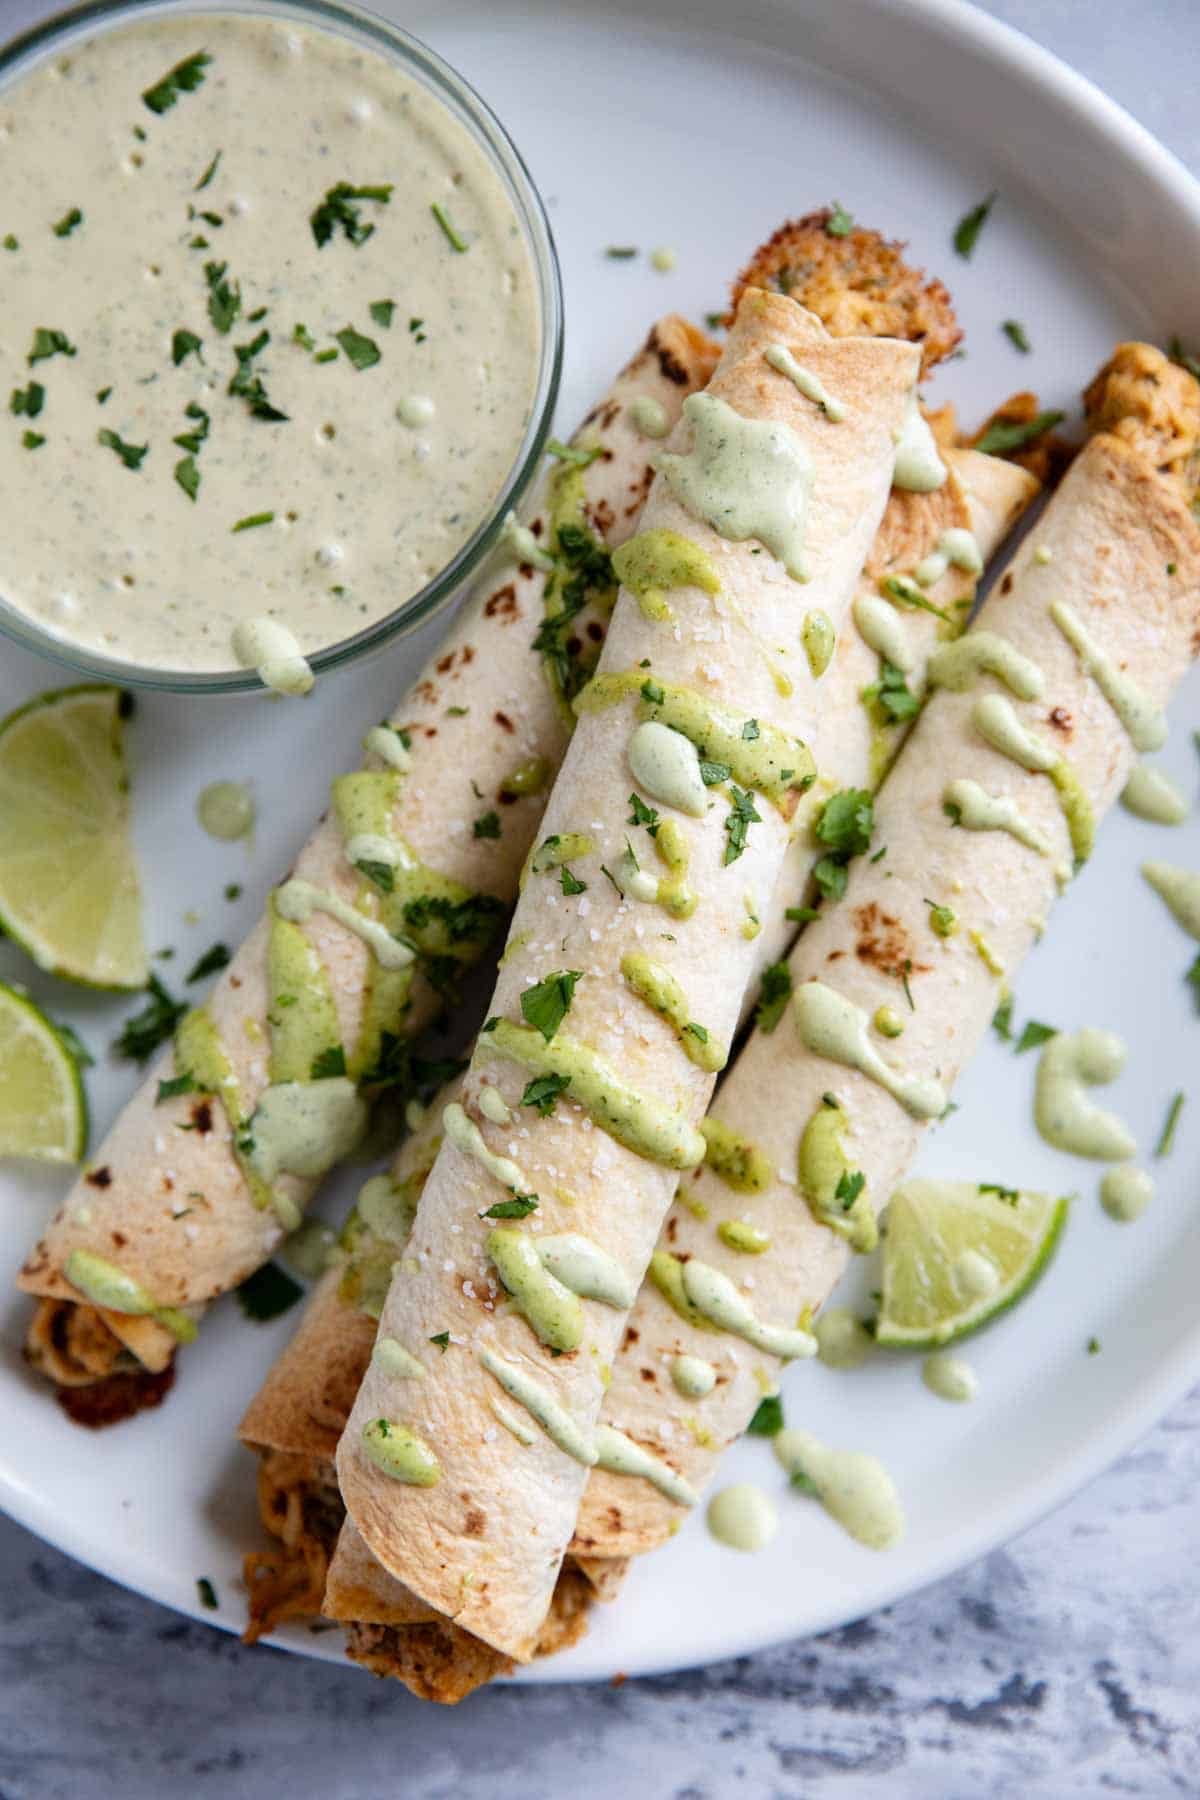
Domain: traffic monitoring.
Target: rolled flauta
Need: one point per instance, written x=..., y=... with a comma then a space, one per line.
x=296, y=1408
x=709, y=654
x=1098, y=611
x=166, y=1201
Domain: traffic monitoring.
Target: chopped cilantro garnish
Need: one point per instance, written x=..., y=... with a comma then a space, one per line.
x=328, y=1063
x=207, y=1593
x=248, y=386
x=1005, y=435
x=1093, y=1346
x=966, y=232
x=906, y=593
x=212, y=960
x=519, y=1207
x=543, y=1091
x=28, y=400
x=66, y=225
x=584, y=573
x=699, y=1032
x=571, y=883
x=303, y=336
x=381, y=873
x=80, y=1054
x=1166, y=1139
x=224, y=297
x=487, y=825
x=546, y=1005
x=178, y=1084
x=326, y=356
x=142, y=1034
x=846, y=821
x=905, y=972
x=1033, y=1035
x=32, y=440
x=750, y=730
x=768, y=1417
x=416, y=330
x=102, y=395
x=801, y=915
x=1010, y=1196
x=1193, y=978
x=641, y=814
x=183, y=345
x=267, y=1293
x=773, y=996
x=1002, y=1020
x=456, y=242
x=442, y=1340
x=840, y=223
x=470, y=921
x=48, y=342
x=892, y=694
x=233, y=890
x=381, y=311
x=742, y=814
x=208, y=173
x=338, y=211
x=621, y=252
x=844, y=825
x=188, y=476
x=362, y=351
x=11, y=242
x=851, y=1183
x=1017, y=336
x=130, y=454
x=651, y=693
x=252, y=521
x=192, y=440
x=184, y=78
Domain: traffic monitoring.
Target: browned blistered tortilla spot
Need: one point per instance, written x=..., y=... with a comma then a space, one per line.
x=99, y=1178
x=503, y=604
x=1061, y=720
x=474, y=1523
x=505, y=723
x=1006, y=585
x=202, y=1117
x=647, y=1375
x=883, y=941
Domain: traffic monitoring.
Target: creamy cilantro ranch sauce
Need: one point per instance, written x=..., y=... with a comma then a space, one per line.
x=383, y=354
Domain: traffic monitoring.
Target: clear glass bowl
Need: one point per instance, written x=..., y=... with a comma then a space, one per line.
x=20, y=56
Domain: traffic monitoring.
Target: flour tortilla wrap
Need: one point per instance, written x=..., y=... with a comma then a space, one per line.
x=1119, y=546
x=168, y=1202
x=308, y=1394
x=497, y=1582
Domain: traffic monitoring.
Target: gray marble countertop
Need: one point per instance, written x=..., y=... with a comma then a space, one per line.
x=1066, y=1664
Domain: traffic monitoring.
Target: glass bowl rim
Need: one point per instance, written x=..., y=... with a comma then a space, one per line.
x=358, y=23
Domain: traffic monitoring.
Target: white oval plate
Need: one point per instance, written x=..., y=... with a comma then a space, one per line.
x=682, y=133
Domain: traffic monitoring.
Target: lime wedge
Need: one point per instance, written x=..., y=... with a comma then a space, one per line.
x=956, y=1254
x=69, y=892
x=43, y=1112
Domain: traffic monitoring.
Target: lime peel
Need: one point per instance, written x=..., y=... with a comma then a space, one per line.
x=942, y=1236
x=69, y=890
x=43, y=1109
